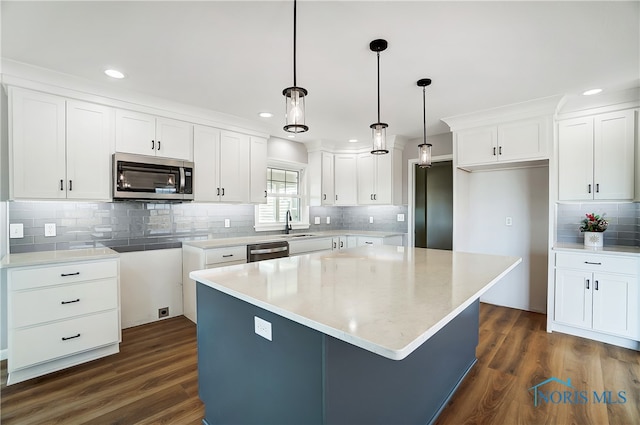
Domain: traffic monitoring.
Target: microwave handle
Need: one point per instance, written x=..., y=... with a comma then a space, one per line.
x=183, y=182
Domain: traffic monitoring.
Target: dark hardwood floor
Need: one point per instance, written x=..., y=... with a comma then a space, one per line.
x=153, y=380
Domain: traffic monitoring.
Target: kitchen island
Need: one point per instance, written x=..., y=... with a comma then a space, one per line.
x=378, y=334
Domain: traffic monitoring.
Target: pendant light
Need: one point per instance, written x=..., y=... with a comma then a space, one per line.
x=294, y=96
x=379, y=129
x=424, y=149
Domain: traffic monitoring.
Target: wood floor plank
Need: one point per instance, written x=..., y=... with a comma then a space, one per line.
x=153, y=380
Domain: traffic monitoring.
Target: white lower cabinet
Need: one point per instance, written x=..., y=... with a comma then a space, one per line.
x=395, y=240
x=305, y=246
x=60, y=316
x=597, y=293
x=194, y=258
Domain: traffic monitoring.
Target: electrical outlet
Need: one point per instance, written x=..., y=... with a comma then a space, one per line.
x=163, y=312
x=316, y=220
x=16, y=230
x=328, y=220
x=262, y=327
x=370, y=219
x=508, y=221
x=227, y=222
x=49, y=229
x=400, y=217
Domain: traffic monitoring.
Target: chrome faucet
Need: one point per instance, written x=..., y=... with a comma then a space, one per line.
x=287, y=222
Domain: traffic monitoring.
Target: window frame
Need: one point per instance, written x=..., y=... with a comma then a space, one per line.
x=303, y=223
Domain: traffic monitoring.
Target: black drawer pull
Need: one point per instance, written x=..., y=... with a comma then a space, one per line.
x=369, y=243
x=158, y=144
x=61, y=184
x=594, y=264
x=67, y=338
x=227, y=255
x=69, y=274
x=587, y=283
x=77, y=300
x=596, y=285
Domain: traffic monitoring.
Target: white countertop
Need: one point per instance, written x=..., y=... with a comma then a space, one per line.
x=385, y=299
x=246, y=240
x=607, y=249
x=52, y=257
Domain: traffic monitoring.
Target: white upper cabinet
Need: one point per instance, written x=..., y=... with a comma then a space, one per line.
x=37, y=145
x=596, y=157
x=379, y=178
x=59, y=149
x=522, y=140
x=145, y=134
x=258, y=171
x=346, y=177
x=321, y=178
x=90, y=144
x=221, y=165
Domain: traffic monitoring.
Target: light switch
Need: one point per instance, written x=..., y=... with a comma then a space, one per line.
x=49, y=229
x=370, y=219
x=400, y=217
x=227, y=222
x=16, y=230
x=328, y=220
x=316, y=220
x=508, y=221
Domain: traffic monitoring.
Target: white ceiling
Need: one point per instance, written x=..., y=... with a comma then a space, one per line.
x=236, y=56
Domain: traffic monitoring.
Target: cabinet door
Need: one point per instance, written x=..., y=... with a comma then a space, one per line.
x=206, y=157
x=573, y=298
x=135, y=133
x=575, y=159
x=174, y=139
x=477, y=146
x=37, y=146
x=258, y=171
x=384, y=179
x=90, y=144
x=522, y=140
x=346, y=179
x=234, y=167
x=615, y=304
x=613, y=158
x=366, y=178
x=328, y=190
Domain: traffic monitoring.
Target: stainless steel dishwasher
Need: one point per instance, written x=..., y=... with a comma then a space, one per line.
x=267, y=251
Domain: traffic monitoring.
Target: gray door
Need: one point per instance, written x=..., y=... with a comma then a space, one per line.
x=434, y=206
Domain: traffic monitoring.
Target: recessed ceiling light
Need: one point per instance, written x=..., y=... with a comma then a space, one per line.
x=114, y=73
x=591, y=92
x=353, y=140
x=265, y=114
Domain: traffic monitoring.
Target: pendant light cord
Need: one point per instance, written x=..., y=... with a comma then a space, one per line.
x=378, y=54
x=424, y=114
x=294, y=43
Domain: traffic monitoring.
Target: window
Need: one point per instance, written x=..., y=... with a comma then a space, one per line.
x=284, y=193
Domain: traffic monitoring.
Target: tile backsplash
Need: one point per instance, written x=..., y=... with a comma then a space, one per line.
x=138, y=226
x=623, y=218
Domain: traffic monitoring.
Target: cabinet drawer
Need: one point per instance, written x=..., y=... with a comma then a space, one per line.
x=365, y=241
x=29, y=346
x=224, y=255
x=60, y=302
x=597, y=263
x=310, y=245
x=56, y=275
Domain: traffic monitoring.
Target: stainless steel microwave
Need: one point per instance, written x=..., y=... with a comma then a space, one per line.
x=141, y=177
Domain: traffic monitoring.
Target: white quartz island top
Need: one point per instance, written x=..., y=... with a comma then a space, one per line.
x=385, y=299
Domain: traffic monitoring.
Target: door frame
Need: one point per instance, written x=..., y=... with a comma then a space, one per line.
x=411, y=195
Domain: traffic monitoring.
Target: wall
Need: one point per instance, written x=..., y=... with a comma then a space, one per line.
x=623, y=218
x=521, y=194
x=442, y=145
x=286, y=150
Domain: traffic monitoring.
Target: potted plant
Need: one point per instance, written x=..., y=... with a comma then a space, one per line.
x=593, y=225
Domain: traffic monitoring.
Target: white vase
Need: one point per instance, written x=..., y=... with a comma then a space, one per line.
x=593, y=239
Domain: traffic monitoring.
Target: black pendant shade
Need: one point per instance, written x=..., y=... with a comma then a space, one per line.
x=294, y=96
x=379, y=129
x=424, y=149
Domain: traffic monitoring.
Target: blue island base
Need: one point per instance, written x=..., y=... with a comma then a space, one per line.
x=303, y=376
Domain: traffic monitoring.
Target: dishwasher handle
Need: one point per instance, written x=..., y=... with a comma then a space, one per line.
x=268, y=250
